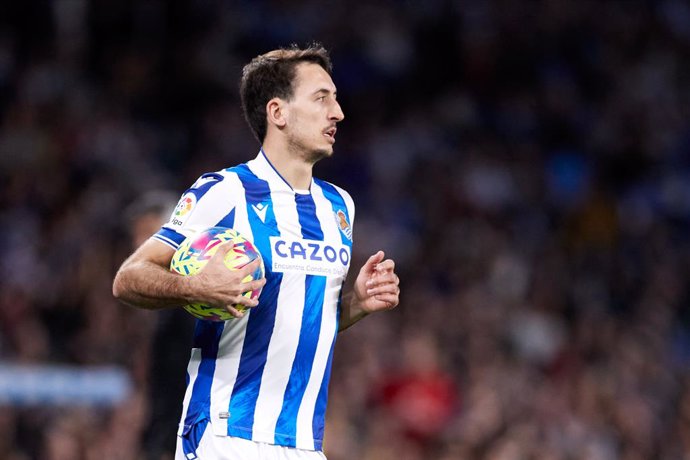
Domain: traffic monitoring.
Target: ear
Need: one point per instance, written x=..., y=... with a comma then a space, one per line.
x=275, y=112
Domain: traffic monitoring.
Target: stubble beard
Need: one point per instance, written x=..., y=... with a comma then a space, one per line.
x=313, y=156
x=308, y=154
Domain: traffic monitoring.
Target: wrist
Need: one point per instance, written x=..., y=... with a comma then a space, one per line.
x=188, y=289
x=351, y=313
x=356, y=307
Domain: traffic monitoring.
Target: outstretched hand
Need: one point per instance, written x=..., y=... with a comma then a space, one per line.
x=376, y=287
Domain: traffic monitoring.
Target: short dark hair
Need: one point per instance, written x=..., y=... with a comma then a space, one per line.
x=271, y=75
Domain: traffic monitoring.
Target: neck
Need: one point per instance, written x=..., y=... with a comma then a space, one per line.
x=295, y=170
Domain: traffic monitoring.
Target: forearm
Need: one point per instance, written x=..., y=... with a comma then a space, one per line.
x=146, y=285
x=350, y=312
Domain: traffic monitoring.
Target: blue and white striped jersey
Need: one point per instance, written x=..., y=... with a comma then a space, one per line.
x=264, y=377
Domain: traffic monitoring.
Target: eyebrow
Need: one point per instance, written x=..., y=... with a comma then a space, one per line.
x=325, y=90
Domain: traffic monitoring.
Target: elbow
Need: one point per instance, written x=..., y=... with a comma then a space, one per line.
x=118, y=287
x=121, y=291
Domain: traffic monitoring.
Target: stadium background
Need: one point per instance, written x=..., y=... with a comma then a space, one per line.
x=526, y=164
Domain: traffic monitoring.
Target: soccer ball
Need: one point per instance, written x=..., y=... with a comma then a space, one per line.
x=195, y=252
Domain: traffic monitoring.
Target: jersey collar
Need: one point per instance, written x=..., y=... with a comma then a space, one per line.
x=263, y=168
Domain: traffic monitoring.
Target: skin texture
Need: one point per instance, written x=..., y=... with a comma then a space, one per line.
x=296, y=136
x=145, y=281
x=300, y=132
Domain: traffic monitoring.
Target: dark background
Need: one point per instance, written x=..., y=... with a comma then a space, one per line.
x=525, y=163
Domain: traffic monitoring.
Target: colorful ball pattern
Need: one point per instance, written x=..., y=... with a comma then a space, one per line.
x=195, y=252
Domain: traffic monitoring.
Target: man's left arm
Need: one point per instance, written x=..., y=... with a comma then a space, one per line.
x=375, y=289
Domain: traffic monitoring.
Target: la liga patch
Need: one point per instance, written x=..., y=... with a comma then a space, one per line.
x=183, y=209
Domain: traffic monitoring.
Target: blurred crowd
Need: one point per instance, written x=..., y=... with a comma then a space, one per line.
x=527, y=165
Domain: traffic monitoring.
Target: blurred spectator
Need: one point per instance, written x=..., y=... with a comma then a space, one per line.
x=420, y=395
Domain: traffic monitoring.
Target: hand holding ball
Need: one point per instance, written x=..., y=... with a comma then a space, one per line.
x=195, y=252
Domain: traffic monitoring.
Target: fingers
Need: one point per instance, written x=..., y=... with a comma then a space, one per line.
x=253, y=285
x=243, y=300
x=244, y=288
x=384, y=285
x=219, y=252
x=385, y=266
x=384, y=288
x=231, y=289
x=370, y=264
x=383, y=277
x=234, y=312
x=224, y=248
x=250, y=268
x=389, y=300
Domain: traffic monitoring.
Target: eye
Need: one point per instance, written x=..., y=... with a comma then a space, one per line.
x=321, y=98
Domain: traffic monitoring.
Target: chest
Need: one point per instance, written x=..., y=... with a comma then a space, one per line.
x=301, y=234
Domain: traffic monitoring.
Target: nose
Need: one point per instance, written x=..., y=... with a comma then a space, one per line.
x=336, y=112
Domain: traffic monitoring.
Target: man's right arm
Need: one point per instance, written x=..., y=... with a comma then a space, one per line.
x=145, y=281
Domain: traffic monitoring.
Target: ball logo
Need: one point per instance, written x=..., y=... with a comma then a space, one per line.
x=311, y=257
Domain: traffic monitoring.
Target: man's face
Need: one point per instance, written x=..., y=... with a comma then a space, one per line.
x=312, y=113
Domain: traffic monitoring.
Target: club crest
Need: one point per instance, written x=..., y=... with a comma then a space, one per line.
x=343, y=224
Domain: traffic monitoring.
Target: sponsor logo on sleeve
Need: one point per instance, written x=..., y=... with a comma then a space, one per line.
x=183, y=209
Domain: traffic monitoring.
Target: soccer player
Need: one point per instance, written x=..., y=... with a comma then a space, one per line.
x=257, y=384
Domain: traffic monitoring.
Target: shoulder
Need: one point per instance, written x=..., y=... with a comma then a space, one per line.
x=207, y=180
x=336, y=194
x=210, y=180
x=207, y=189
x=344, y=193
x=330, y=188
x=211, y=197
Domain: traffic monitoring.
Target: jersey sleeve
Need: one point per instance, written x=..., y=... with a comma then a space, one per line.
x=207, y=203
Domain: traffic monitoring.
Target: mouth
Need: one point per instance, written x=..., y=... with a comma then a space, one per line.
x=330, y=133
